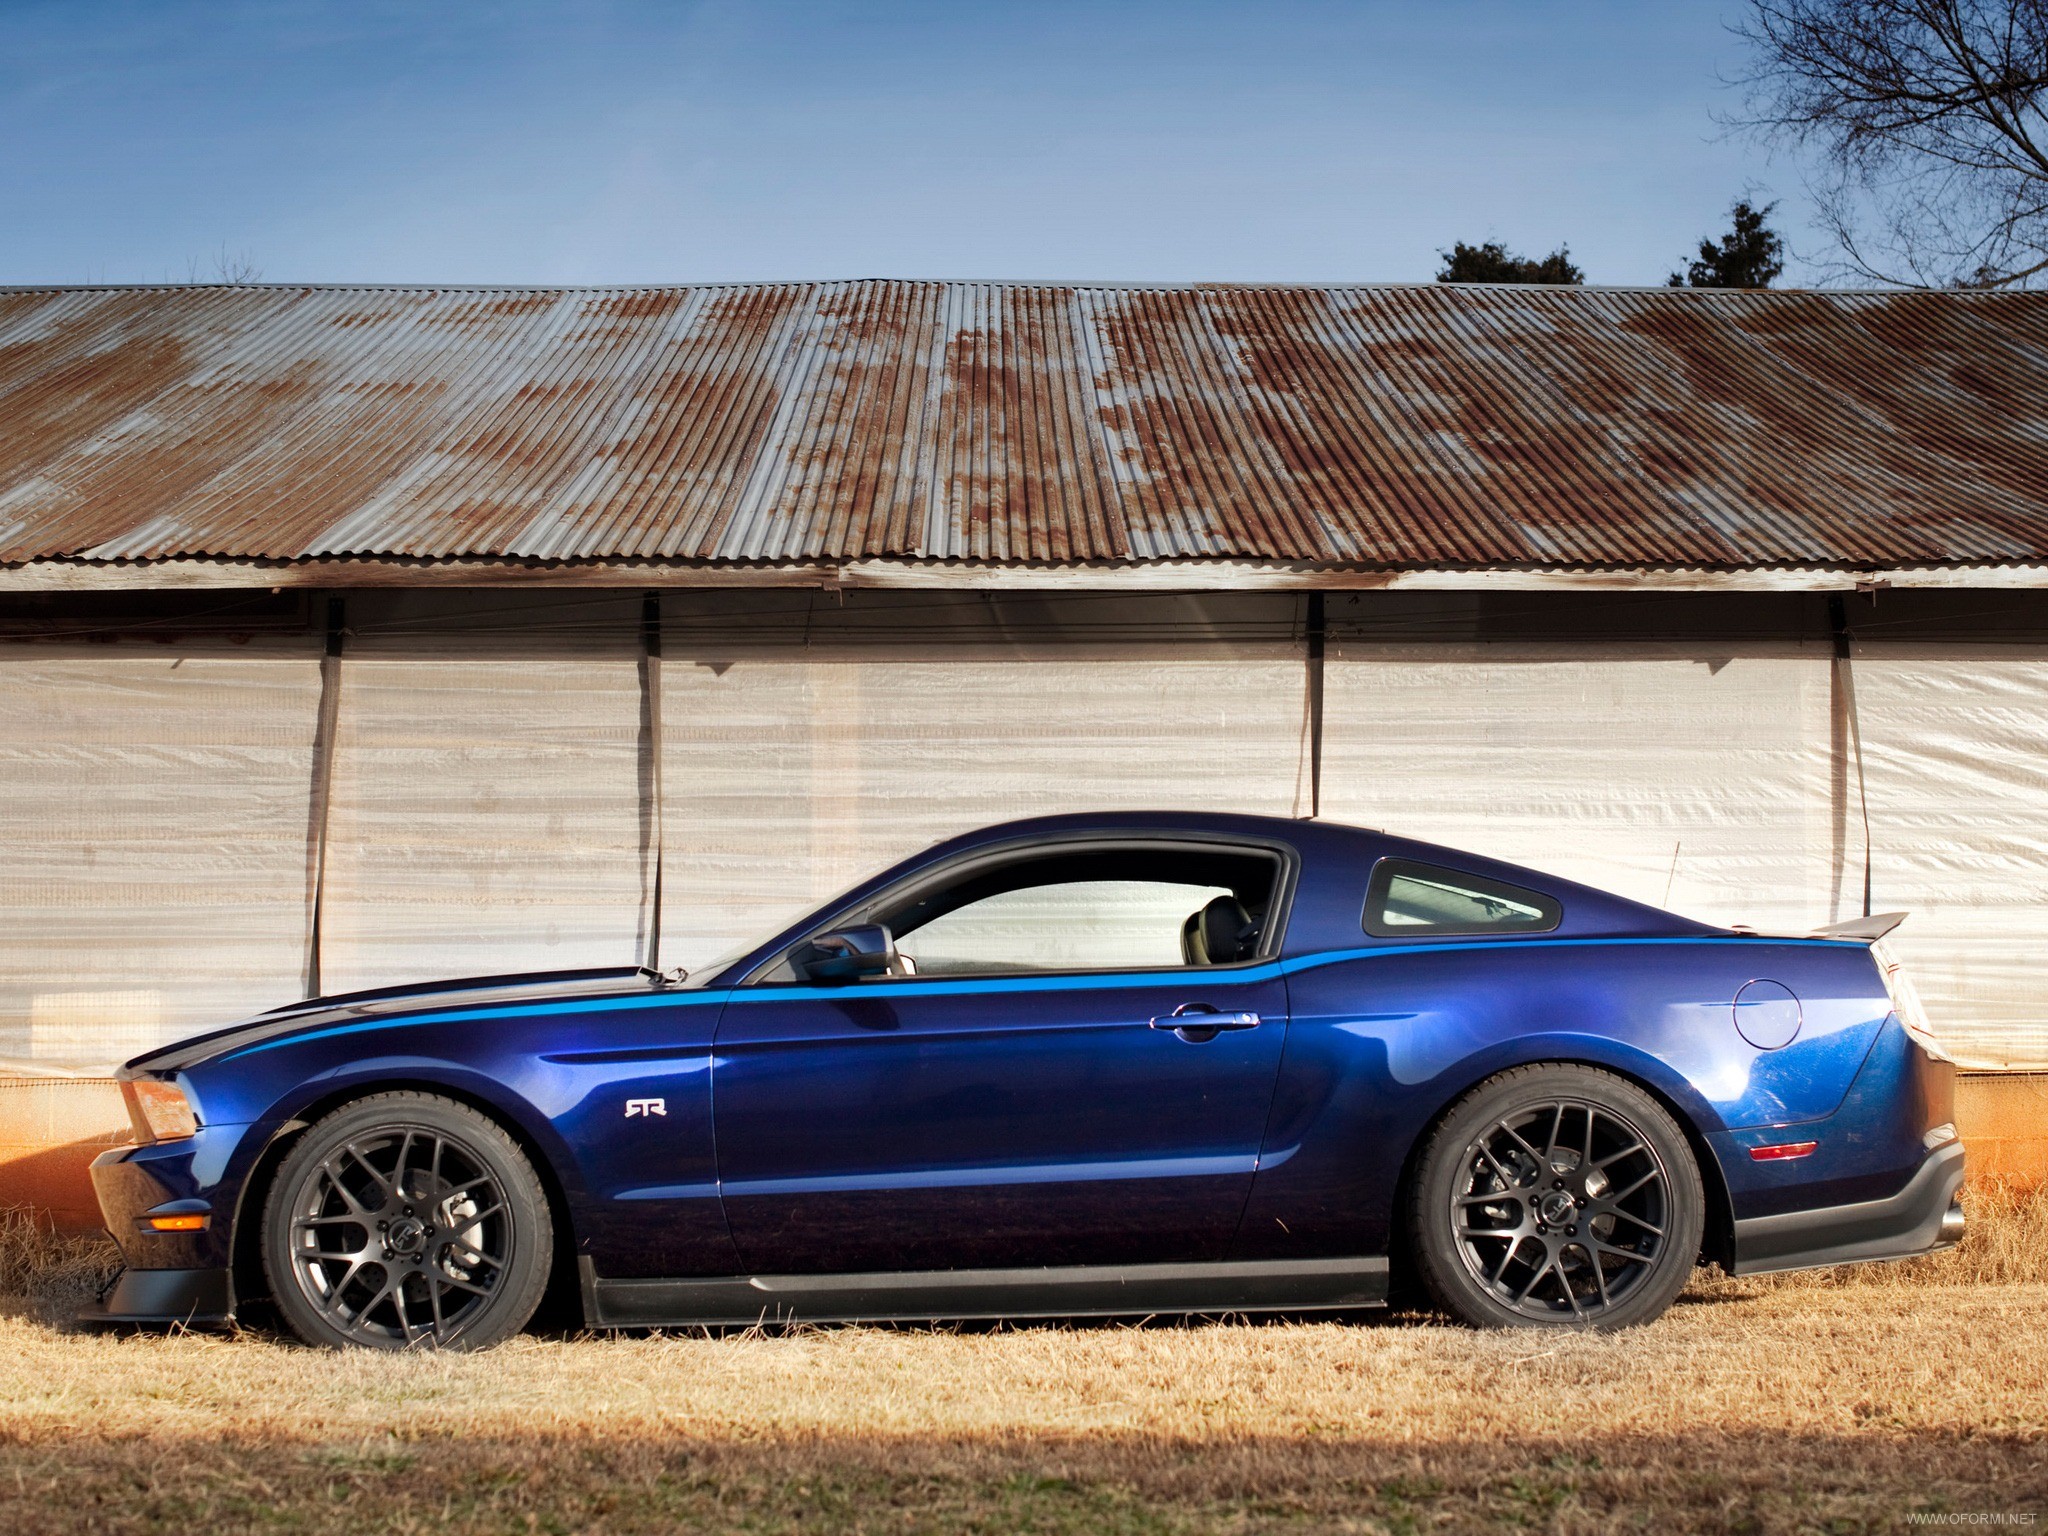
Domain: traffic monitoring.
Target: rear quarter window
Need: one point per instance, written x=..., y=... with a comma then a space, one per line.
x=1405, y=899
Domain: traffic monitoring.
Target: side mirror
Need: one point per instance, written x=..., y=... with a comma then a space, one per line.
x=869, y=950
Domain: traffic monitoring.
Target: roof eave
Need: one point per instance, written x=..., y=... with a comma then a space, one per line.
x=1209, y=575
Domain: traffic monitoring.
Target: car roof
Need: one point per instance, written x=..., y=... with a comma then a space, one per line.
x=1336, y=859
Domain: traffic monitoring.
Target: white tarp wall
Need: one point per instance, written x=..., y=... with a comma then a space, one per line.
x=486, y=798
x=493, y=754
x=801, y=758
x=153, y=808
x=1686, y=779
x=1955, y=742
x=1723, y=782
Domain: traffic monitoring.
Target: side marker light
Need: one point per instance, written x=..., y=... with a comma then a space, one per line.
x=192, y=1223
x=1783, y=1151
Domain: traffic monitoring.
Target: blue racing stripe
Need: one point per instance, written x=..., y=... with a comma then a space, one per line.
x=972, y=985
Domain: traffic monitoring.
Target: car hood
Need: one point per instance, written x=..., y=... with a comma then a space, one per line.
x=392, y=1002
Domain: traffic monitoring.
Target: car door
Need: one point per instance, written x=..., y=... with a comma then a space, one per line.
x=991, y=1111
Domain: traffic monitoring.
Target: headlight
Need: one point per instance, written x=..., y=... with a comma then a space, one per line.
x=159, y=1111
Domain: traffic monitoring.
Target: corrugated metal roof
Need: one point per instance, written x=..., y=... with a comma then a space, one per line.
x=1370, y=426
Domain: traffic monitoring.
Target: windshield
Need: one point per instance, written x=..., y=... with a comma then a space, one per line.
x=703, y=972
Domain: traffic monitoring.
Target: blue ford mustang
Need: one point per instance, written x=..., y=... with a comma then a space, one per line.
x=1105, y=1064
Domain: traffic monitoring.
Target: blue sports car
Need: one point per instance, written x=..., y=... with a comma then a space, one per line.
x=1084, y=1065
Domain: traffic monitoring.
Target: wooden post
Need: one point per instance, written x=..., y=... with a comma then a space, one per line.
x=321, y=798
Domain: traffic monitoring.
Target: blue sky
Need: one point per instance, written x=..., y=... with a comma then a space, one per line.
x=624, y=142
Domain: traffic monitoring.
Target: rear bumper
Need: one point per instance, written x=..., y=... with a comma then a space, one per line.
x=195, y=1297
x=1921, y=1218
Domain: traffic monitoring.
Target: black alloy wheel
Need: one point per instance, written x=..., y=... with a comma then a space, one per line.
x=406, y=1220
x=1556, y=1195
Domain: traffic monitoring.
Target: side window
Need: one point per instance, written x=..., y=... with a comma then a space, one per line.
x=1405, y=899
x=1086, y=907
x=1079, y=925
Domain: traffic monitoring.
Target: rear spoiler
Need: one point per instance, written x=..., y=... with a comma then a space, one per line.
x=1868, y=929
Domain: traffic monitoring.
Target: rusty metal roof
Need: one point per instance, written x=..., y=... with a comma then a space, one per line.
x=1368, y=427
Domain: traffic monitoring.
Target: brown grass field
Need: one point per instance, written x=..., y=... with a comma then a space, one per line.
x=1856, y=1400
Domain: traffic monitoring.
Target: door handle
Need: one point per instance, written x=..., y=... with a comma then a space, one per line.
x=1198, y=1022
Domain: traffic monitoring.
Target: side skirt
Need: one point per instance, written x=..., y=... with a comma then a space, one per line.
x=1107, y=1290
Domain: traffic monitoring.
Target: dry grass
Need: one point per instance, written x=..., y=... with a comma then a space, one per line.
x=1793, y=1410
x=1788, y=1404
x=2005, y=1243
x=51, y=1273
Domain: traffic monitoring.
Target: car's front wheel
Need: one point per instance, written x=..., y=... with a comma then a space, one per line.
x=1554, y=1195
x=406, y=1220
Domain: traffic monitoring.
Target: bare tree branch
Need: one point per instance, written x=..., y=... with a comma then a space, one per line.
x=1931, y=120
x=232, y=269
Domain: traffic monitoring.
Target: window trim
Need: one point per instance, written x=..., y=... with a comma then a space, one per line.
x=1285, y=882
x=1389, y=868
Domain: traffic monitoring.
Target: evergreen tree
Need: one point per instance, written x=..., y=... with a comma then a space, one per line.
x=1495, y=263
x=1749, y=256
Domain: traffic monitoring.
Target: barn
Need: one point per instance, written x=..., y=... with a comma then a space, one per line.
x=350, y=635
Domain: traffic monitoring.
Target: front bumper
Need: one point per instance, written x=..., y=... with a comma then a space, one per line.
x=1924, y=1217
x=171, y=1278
x=198, y=1298
x=189, y=1175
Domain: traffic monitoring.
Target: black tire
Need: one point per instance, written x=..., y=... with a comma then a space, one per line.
x=406, y=1220
x=1556, y=1196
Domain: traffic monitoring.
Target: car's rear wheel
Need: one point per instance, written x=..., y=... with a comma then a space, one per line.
x=406, y=1220
x=1556, y=1195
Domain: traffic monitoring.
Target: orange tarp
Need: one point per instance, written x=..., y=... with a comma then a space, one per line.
x=51, y=1128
